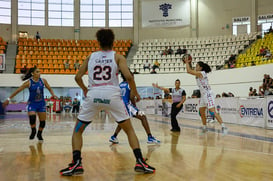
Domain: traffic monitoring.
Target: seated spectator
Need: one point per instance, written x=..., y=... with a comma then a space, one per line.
x=67, y=105
x=230, y=94
x=184, y=51
x=268, y=54
x=218, y=96
x=66, y=64
x=147, y=65
x=38, y=36
x=156, y=65
x=179, y=51
x=253, y=63
x=225, y=94
x=135, y=72
x=262, y=51
x=268, y=91
x=77, y=65
x=170, y=50
x=165, y=52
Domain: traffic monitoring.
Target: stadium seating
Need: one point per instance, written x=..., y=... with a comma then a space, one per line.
x=212, y=50
x=50, y=54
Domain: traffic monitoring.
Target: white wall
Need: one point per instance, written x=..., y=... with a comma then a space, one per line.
x=236, y=81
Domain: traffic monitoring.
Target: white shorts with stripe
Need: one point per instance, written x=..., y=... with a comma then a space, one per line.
x=107, y=99
x=207, y=100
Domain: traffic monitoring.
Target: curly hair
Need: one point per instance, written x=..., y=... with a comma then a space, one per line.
x=105, y=37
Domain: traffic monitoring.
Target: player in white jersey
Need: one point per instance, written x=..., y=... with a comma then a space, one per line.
x=103, y=93
x=207, y=97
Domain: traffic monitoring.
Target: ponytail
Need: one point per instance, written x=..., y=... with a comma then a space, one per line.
x=29, y=73
x=205, y=67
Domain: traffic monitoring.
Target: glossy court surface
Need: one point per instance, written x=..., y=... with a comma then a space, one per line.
x=246, y=153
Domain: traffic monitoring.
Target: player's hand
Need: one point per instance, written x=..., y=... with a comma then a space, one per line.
x=5, y=103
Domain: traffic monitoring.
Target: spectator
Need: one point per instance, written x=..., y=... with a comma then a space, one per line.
x=262, y=51
x=77, y=65
x=230, y=94
x=184, y=51
x=38, y=36
x=179, y=51
x=270, y=30
x=255, y=92
x=153, y=71
x=218, y=96
x=268, y=54
x=76, y=105
x=66, y=64
x=67, y=105
x=165, y=52
x=147, y=65
x=135, y=72
x=170, y=50
x=224, y=94
x=250, y=91
x=253, y=63
x=156, y=65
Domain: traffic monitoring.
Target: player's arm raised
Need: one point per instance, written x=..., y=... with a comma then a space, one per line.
x=190, y=70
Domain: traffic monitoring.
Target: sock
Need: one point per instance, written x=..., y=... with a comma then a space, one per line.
x=138, y=154
x=33, y=133
x=223, y=125
x=76, y=155
x=204, y=126
x=115, y=135
x=149, y=135
x=39, y=135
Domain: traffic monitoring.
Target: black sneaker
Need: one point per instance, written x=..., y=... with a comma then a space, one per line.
x=73, y=169
x=33, y=133
x=39, y=136
x=142, y=166
x=175, y=130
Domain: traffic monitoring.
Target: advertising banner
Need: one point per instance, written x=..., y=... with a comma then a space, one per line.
x=170, y=13
x=269, y=107
x=190, y=109
x=252, y=112
x=227, y=108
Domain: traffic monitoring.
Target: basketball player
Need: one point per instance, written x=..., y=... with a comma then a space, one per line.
x=36, y=101
x=103, y=93
x=178, y=97
x=207, y=98
x=133, y=111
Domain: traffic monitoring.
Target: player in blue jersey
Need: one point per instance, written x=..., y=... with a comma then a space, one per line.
x=133, y=112
x=36, y=102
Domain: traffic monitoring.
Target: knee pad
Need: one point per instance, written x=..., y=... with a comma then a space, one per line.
x=81, y=125
x=32, y=119
x=212, y=113
x=42, y=124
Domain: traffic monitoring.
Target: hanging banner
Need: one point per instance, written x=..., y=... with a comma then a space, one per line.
x=170, y=13
x=227, y=108
x=252, y=112
x=269, y=107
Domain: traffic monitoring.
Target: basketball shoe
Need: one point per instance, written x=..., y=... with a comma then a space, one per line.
x=224, y=131
x=142, y=166
x=152, y=140
x=113, y=139
x=74, y=168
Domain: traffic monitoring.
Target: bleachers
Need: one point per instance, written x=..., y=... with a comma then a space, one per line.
x=49, y=54
x=250, y=55
x=212, y=50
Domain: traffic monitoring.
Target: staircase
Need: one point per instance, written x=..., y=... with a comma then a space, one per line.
x=10, y=58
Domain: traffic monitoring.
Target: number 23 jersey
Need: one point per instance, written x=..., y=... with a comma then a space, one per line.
x=103, y=70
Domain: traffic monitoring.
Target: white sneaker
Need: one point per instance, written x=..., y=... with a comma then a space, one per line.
x=203, y=131
x=224, y=131
x=113, y=139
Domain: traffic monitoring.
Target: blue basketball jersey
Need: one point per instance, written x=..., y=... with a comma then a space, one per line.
x=125, y=92
x=36, y=91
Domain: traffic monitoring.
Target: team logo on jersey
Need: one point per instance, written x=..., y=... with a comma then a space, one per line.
x=165, y=8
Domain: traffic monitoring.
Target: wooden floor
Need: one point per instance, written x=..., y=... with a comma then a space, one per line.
x=246, y=153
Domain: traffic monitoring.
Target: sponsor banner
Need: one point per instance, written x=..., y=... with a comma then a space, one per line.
x=169, y=13
x=241, y=19
x=147, y=106
x=190, y=109
x=227, y=108
x=269, y=108
x=252, y=112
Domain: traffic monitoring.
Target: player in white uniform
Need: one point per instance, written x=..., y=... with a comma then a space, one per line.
x=207, y=96
x=103, y=93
